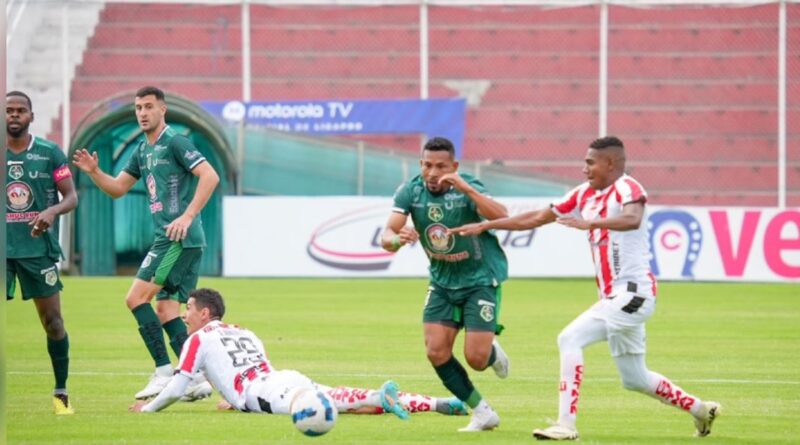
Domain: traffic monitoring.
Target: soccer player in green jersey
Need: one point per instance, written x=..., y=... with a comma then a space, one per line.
x=37, y=171
x=166, y=161
x=465, y=273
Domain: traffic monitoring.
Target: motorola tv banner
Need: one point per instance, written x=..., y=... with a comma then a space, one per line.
x=432, y=117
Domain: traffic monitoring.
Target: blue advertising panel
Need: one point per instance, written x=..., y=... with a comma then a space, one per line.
x=432, y=117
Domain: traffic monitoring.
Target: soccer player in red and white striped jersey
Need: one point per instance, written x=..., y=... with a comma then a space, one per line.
x=235, y=362
x=610, y=206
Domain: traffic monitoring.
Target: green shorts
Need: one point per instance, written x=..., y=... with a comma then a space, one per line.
x=475, y=308
x=38, y=277
x=172, y=266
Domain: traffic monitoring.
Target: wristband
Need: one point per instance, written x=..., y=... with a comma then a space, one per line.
x=396, y=242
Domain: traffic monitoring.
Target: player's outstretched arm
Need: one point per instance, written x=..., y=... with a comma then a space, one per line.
x=169, y=395
x=397, y=234
x=523, y=221
x=114, y=187
x=629, y=219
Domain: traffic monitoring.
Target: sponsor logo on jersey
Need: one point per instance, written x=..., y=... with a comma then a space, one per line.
x=435, y=212
x=16, y=172
x=36, y=157
x=151, y=186
x=438, y=239
x=19, y=196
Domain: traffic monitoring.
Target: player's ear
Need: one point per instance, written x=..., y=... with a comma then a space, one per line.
x=32, y=116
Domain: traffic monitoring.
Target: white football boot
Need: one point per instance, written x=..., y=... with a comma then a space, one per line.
x=556, y=432
x=709, y=412
x=501, y=363
x=485, y=419
x=198, y=389
x=156, y=384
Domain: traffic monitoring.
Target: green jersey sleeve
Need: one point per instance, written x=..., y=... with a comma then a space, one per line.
x=479, y=187
x=402, y=199
x=185, y=153
x=133, y=168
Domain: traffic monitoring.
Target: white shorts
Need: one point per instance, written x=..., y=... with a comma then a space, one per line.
x=274, y=392
x=624, y=316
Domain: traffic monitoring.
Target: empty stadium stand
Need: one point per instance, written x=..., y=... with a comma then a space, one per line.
x=692, y=93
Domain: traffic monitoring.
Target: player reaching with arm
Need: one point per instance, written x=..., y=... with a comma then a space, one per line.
x=37, y=172
x=167, y=162
x=610, y=206
x=236, y=363
x=466, y=272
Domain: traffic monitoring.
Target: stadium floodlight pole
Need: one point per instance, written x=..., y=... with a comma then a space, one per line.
x=782, y=36
x=246, y=91
x=423, y=49
x=246, y=74
x=64, y=229
x=602, y=101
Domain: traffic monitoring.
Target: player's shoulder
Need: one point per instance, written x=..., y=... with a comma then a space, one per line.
x=409, y=184
x=45, y=145
x=629, y=182
x=471, y=179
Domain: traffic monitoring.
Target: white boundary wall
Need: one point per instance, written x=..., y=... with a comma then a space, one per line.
x=338, y=237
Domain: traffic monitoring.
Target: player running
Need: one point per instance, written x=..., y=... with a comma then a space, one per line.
x=610, y=206
x=235, y=362
x=466, y=273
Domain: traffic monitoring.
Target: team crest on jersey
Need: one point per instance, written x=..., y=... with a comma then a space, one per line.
x=19, y=196
x=16, y=171
x=487, y=312
x=148, y=259
x=435, y=212
x=50, y=277
x=438, y=239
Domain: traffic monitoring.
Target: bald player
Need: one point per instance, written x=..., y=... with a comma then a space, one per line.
x=610, y=207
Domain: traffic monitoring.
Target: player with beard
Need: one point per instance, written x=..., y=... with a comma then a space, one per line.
x=37, y=172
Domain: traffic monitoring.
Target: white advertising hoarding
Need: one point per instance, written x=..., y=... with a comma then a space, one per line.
x=339, y=237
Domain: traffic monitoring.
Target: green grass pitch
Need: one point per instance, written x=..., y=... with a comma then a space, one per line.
x=734, y=343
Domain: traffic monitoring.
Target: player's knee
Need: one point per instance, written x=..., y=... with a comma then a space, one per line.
x=438, y=355
x=634, y=384
x=566, y=340
x=54, y=326
x=477, y=360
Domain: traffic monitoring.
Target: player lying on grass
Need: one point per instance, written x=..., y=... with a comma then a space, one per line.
x=235, y=362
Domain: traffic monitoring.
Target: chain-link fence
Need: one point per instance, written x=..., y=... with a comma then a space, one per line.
x=695, y=91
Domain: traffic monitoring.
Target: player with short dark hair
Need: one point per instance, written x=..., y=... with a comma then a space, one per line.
x=610, y=206
x=37, y=172
x=167, y=162
x=236, y=362
x=466, y=273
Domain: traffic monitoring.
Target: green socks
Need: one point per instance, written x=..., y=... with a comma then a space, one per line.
x=59, y=357
x=176, y=331
x=455, y=378
x=150, y=330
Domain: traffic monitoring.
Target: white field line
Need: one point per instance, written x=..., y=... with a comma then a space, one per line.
x=323, y=376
